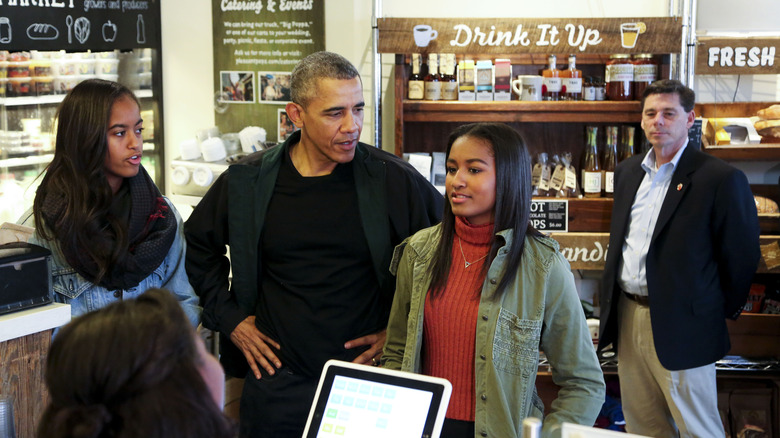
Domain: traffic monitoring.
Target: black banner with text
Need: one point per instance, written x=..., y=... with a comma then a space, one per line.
x=79, y=25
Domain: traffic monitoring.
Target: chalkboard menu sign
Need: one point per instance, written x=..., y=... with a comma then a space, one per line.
x=79, y=25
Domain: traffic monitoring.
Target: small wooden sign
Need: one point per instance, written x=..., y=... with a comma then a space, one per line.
x=586, y=251
x=550, y=214
x=656, y=35
x=737, y=56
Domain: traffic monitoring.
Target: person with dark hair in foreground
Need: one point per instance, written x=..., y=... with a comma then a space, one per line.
x=135, y=368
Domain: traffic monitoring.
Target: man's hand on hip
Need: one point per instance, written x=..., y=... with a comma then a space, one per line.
x=256, y=347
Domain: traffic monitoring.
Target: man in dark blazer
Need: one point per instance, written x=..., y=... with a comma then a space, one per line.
x=683, y=249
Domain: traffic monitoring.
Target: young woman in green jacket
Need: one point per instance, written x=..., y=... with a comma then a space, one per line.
x=479, y=295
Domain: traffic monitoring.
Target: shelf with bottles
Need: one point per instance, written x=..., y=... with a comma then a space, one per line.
x=579, y=66
x=430, y=113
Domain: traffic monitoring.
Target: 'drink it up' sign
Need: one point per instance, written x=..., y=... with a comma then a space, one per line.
x=749, y=56
x=655, y=35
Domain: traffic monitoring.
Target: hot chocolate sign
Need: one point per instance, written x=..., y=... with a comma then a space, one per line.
x=598, y=36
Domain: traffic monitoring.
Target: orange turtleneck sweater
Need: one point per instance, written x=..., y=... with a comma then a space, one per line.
x=450, y=322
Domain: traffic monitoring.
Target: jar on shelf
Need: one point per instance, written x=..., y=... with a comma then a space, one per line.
x=645, y=73
x=619, y=76
x=600, y=88
x=588, y=89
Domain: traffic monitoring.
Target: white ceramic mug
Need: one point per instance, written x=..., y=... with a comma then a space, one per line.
x=528, y=87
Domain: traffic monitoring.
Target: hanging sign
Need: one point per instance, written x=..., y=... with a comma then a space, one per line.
x=586, y=251
x=256, y=45
x=737, y=56
x=78, y=25
x=656, y=35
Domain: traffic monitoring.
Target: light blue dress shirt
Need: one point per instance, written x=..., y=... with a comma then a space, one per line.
x=644, y=214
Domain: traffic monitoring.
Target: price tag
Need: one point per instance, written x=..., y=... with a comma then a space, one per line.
x=550, y=215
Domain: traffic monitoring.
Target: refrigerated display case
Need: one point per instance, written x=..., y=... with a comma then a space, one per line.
x=45, y=52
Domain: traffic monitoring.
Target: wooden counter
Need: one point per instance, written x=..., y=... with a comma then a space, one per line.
x=25, y=337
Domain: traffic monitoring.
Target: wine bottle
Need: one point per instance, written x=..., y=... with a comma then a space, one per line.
x=416, y=84
x=572, y=80
x=609, y=163
x=551, y=82
x=591, y=171
x=432, y=79
x=627, y=147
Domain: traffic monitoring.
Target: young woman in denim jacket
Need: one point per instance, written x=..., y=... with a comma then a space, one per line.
x=111, y=233
x=479, y=295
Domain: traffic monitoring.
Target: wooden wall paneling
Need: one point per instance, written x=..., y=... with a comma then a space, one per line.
x=22, y=366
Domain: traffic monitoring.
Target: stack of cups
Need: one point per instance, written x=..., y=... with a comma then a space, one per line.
x=189, y=149
x=252, y=139
x=213, y=149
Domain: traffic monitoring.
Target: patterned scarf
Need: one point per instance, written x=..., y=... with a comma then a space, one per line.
x=151, y=230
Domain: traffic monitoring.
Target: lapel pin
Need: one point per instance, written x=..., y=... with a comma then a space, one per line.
x=679, y=187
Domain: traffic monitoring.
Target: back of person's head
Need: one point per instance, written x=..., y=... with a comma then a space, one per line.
x=671, y=86
x=318, y=65
x=129, y=369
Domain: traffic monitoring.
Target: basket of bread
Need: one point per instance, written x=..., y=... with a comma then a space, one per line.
x=768, y=123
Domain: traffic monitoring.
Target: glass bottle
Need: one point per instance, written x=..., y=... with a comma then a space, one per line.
x=598, y=83
x=416, y=84
x=449, y=82
x=572, y=80
x=588, y=89
x=432, y=79
x=609, y=163
x=645, y=73
x=551, y=82
x=627, y=146
x=619, y=76
x=591, y=171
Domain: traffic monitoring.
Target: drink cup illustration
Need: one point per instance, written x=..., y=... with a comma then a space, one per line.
x=629, y=33
x=424, y=34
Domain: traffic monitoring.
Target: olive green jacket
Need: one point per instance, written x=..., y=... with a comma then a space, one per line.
x=539, y=310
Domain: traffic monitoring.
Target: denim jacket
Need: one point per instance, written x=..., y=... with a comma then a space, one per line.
x=84, y=296
x=540, y=309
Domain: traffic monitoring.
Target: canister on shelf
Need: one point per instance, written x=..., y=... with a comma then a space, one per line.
x=645, y=73
x=619, y=76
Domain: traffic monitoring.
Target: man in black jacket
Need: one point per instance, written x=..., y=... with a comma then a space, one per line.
x=683, y=248
x=311, y=227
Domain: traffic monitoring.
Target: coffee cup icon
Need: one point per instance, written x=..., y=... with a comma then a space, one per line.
x=424, y=34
